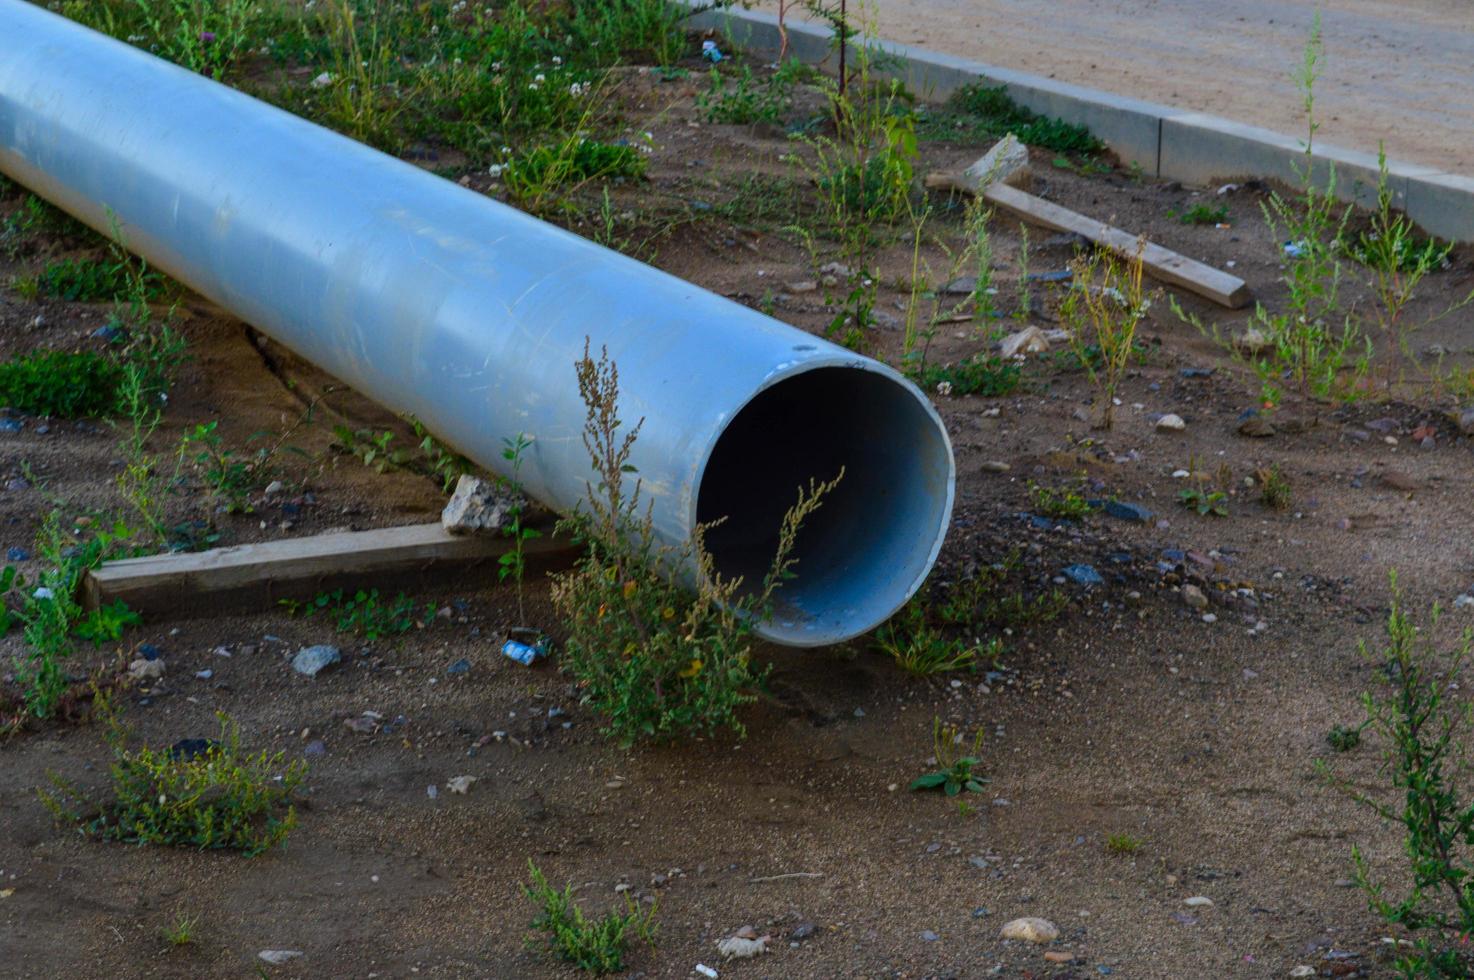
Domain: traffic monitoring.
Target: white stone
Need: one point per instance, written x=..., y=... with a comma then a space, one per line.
x=1029, y=340
x=477, y=505
x=741, y=948
x=1006, y=163
x=276, y=957
x=460, y=784
x=1171, y=423
x=1198, y=902
x=1030, y=929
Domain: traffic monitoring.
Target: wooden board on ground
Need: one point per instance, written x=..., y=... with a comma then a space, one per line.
x=256, y=576
x=1160, y=263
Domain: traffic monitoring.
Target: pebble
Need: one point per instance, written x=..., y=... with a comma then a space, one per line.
x=1466, y=421
x=1463, y=601
x=276, y=957
x=1082, y=575
x=743, y=947
x=311, y=661
x=1135, y=513
x=1059, y=956
x=460, y=785
x=996, y=466
x=1198, y=902
x=17, y=554
x=274, y=487
x=1303, y=971
x=315, y=749
x=1030, y=929
x=804, y=286
x=1210, y=618
x=204, y=675
x=478, y=505
x=929, y=936
x=11, y=425
x=1194, y=597
x=1171, y=423
x=461, y=666
x=802, y=931
x=146, y=670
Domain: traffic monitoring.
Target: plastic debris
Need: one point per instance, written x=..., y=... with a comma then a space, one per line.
x=710, y=52
x=525, y=646
x=702, y=968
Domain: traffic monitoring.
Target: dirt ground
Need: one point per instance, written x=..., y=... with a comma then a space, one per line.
x=1391, y=73
x=1129, y=714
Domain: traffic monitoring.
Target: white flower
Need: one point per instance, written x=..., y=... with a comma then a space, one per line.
x=495, y=170
x=944, y=388
x=532, y=86
x=323, y=80
x=539, y=77
x=557, y=60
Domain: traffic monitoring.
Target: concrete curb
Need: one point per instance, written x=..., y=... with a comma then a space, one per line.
x=1176, y=144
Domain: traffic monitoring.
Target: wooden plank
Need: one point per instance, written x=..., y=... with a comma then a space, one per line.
x=256, y=576
x=1160, y=263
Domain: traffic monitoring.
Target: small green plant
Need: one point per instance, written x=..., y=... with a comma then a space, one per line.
x=922, y=649
x=976, y=113
x=230, y=476
x=371, y=448
x=1025, y=296
x=364, y=613
x=514, y=563
x=1420, y=722
x=181, y=930
x=955, y=772
x=1105, y=305
x=88, y=281
x=546, y=175
x=1123, y=843
x=656, y=661
x=597, y=946
x=1344, y=738
x=1274, y=487
x=982, y=374
x=218, y=796
x=61, y=384
x=1206, y=501
x=442, y=462
x=736, y=97
x=1201, y=214
x=1061, y=503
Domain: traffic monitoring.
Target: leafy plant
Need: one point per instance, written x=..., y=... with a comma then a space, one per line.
x=514, y=563
x=1274, y=487
x=1061, y=503
x=181, y=931
x=1201, y=214
x=87, y=281
x=1205, y=500
x=979, y=112
x=1105, y=305
x=1123, y=843
x=1344, y=738
x=1420, y=722
x=229, y=475
x=982, y=374
x=922, y=649
x=597, y=946
x=364, y=613
x=61, y=384
x=216, y=797
x=736, y=97
x=955, y=772
x=656, y=661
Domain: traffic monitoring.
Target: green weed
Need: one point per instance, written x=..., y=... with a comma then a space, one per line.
x=363, y=613
x=656, y=661
x=218, y=797
x=1123, y=843
x=977, y=113
x=1420, y=722
x=955, y=772
x=922, y=649
x=514, y=563
x=61, y=384
x=1101, y=312
x=181, y=931
x=1206, y=501
x=597, y=946
x=1201, y=214
x=736, y=97
x=1274, y=487
x=1063, y=503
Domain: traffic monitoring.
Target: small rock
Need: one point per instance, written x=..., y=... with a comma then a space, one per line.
x=1121, y=510
x=1171, y=423
x=1255, y=427
x=146, y=670
x=836, y=269
x=204, y=675
x=1082, y=575
x=11, y=425
x=460, y=785
x=311, y=661
x=995, y=466
x=1303, y=971
x=1194, y=596
x=1006, y=163
x=1252, y=341
x=1465, y=421
x=274, y=487
x=17, y=554
x=1464, y=601
x=1030, y=929
x=743, y=947
x=315, y=749
x=276, y=957
x=928, y=936
x=461, y=666
x=802, y=931
x=1401, y=482
x=323, y=80
x=1029, y=340
x=1198, y=902
x=804, y=286
x=1059, y=956
x=478, y=505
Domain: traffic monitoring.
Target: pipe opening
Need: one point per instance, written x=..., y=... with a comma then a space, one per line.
x=870, y=545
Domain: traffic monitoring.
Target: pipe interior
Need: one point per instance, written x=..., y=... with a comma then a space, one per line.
x=870, y=544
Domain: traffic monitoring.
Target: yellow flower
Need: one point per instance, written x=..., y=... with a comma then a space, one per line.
x=629, y=589
x=692, y=670
x=668, y=613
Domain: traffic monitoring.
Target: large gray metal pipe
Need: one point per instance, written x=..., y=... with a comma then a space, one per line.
x=434, y=300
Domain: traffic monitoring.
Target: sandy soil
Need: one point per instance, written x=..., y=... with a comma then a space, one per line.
x=1396, y=70
x=1130, y=714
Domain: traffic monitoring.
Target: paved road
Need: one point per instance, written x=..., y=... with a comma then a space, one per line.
x=1396, y=70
